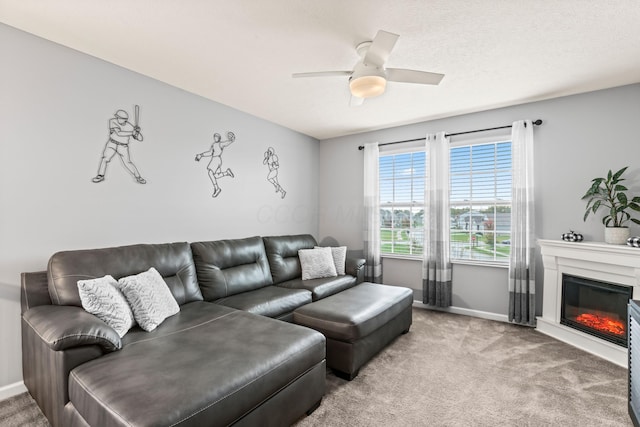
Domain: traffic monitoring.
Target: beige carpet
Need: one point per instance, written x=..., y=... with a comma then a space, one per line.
x=453, y=370
x=21, y=411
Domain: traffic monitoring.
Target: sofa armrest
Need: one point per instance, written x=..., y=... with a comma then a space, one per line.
x=355, y=267
x=63, y=327
x=56, y=339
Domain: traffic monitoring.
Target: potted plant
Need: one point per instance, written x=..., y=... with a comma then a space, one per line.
x=610, y=194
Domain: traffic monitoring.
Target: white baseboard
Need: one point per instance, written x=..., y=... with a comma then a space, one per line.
x=465, y=312
x=11, y=390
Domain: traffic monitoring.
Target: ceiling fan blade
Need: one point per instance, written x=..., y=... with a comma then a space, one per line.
x=356, y=101
x=323, y=74
x=413, y=76
x=380, y=49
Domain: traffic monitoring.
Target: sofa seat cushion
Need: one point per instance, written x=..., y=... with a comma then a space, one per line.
x=321, y=288
x=272, y=301
x=194, y=367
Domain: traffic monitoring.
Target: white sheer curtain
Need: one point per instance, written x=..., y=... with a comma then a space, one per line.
x=436, y=261
x=522, y=298
x=373, y=267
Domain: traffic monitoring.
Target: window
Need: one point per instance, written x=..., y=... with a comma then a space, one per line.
x=402, y=203
x=480, y=202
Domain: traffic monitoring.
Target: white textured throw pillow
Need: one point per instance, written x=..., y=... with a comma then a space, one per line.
x=339, y=254
x=149, y=298
x=102, y=298
x=316, y=263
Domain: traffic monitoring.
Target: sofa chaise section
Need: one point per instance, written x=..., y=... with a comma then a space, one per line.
x=197, y=370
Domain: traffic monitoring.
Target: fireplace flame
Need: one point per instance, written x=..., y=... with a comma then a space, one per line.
x=602, y=323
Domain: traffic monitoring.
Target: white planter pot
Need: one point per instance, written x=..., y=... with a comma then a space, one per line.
x=616, y=235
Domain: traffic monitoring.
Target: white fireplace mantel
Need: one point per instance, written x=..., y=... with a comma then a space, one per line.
x=619, y=264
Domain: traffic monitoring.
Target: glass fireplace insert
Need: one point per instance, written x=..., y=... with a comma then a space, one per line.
x=595, y=307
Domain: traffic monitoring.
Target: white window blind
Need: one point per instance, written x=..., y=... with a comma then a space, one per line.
x=402, y=203
x=480, y=202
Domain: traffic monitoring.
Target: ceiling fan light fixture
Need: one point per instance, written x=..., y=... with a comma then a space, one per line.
x=367, y=86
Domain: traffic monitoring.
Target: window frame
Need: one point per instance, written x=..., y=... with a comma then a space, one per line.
x=468, y=142
x=458, y=142
x=402, y=205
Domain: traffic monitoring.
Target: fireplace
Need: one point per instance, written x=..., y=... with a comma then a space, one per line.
x=577, y=315
x=595, y=307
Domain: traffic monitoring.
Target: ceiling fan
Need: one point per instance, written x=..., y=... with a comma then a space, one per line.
x=369, y=76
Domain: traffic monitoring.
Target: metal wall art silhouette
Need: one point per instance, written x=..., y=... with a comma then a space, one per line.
x=271, y=160
x=214, y=168
x=120, y=133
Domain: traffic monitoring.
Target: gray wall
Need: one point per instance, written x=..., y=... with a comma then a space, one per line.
x=582, y=137
x=54, y=110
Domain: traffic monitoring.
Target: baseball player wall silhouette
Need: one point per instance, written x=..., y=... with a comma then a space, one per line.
x=271, y=160
x=121, y=131
x=214, y=168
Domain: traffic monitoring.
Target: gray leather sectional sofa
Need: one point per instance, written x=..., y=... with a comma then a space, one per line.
x=226, y=357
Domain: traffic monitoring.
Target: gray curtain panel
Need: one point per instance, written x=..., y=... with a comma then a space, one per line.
x=373, y=267
x=522, y=296
x=436, y=288
x=522, y=286
x=436, y=261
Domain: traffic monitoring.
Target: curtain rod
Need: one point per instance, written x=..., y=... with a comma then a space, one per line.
x=537, y=123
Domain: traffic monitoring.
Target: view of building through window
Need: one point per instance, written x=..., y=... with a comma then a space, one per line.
x=402, y=203
x=480, y=202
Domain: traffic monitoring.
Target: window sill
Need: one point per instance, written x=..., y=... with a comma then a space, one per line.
x=493, y=264
x=406, y=257
x=455, y=261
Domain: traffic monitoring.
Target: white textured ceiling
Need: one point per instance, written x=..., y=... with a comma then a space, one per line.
x=242, y=53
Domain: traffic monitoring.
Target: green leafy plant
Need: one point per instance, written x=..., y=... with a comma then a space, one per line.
x=609, y=193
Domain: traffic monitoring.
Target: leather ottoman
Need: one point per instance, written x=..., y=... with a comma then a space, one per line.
x=358, y=323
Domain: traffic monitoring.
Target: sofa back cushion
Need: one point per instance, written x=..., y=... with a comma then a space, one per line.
x=173, y=261
x=282, y=252
x=229, y=267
